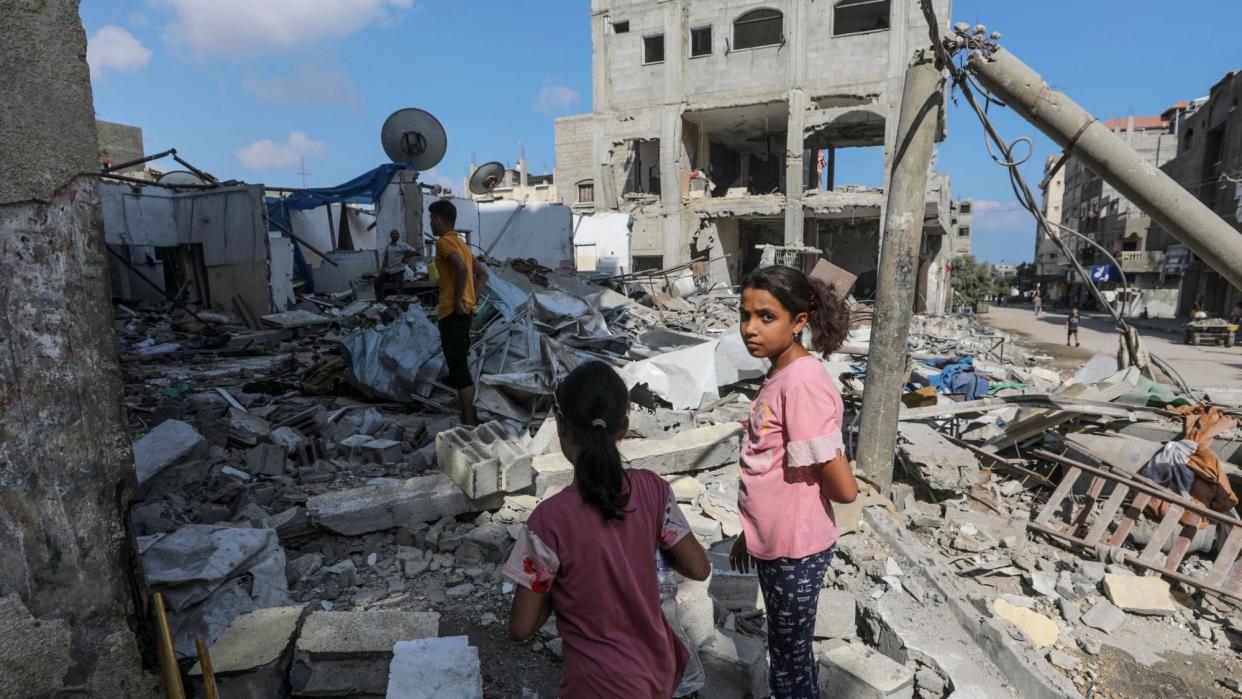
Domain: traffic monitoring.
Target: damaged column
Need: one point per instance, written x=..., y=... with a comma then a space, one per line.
x=68, y=617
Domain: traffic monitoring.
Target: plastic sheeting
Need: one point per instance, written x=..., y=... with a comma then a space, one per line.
x=690, y=378
x=394, y=362
x=364, y=188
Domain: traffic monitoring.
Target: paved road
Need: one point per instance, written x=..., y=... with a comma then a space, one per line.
x=1203, y=367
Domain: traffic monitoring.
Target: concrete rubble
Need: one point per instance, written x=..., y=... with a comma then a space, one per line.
x=322, y=478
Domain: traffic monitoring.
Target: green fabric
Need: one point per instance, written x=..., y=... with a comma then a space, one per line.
x=993, y=389
x=1152, y=394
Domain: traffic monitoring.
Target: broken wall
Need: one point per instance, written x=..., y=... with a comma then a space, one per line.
x=608, y=236
x=68, y=618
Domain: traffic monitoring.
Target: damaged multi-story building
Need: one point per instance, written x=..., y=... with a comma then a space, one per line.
x=718, y=126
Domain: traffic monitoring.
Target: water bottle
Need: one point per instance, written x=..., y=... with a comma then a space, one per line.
x=693, y=679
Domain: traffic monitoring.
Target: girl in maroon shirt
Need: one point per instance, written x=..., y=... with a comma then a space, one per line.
x=588, y=553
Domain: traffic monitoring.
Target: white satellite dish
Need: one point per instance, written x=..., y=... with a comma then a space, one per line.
x=413, y=136
x=485, y=179
x=177, y=177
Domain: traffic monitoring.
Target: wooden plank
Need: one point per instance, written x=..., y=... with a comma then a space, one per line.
x=1107, y=513
x=1182, y=544
x=1058, y=495
x=1084, y=512
x=1226, y=558
x=1166, y=528
x=1133, y=512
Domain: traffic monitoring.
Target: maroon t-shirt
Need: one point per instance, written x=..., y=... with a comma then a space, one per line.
x=602, y=577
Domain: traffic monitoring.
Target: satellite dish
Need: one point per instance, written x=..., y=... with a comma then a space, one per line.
x=413, y=136
x=485, y=179
x=177, y=177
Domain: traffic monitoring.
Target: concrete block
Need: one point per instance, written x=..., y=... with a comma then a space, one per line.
x=855, y=671
x=1041, y=630
x=686, y=489
x=171, y=442
x=1140, y=595
x=736, y=666
x=708, y=531
x=697, y=611
x=349, y=653
x=435, y=668
x=485, y=460
x=248, y=428
x=735, y=591
x=267, y=460
x=289, y=438
x=686, y=452
x=250, y=660
x=836, y=615
x=386, y=505
x=553, y=473
x=382, y=451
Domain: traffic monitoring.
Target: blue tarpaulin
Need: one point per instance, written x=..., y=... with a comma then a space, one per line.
x=958, y=375
x=363, y=189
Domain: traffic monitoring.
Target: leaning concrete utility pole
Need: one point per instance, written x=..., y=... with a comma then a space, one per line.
x=1106, y=153
x=69, y=575
x=922, y=107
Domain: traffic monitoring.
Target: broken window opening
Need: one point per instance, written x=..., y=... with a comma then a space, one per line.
x=642, y=167
x=586, y=192
x=621, y=27
x=860, y=17
x=964, y=207
x=963, y=231
x=1213, y=166
x=647, y=263
x=653, y=49
x=700, y=42
x=758, y=28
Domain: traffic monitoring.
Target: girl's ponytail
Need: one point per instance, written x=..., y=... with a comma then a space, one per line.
x=592, y=403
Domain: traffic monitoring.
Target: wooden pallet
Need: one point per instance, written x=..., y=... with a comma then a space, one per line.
x=1088, y=525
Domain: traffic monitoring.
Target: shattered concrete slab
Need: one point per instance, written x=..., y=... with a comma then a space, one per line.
x=435, y=668
x=939, y=463
x=1140, y=594
x=250, y=660
x=341, y=654
x=386, y=505
x=171, y=442
x=855, y=671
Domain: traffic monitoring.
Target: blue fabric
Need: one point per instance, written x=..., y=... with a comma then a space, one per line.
x=958, y=376
x=1105, y=273
x=363, y=189
x=790, y=589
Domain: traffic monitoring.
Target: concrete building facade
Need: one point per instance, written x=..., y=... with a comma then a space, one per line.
x=1051, y=264
x=717, y=124
x=1208, y=164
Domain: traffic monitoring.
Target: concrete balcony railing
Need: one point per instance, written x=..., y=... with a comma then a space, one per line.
x=1141, y=261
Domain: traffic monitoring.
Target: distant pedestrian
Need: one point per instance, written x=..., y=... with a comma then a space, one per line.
x=392, y=265
x=1039, y=303
x=461, y=276
x=1071, y=328
x=793, y=464
x=589, y=551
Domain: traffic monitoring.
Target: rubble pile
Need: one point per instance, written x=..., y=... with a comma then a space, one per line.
x=306, y=489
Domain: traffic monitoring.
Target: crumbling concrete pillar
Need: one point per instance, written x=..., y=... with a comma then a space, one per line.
x=795, y=145
x=67, y=560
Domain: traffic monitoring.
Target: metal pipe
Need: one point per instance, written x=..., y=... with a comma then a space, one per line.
x=137, y=161
x=922, y=107
x=1104, y=152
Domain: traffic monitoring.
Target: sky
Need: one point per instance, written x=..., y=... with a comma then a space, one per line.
x=266, y=90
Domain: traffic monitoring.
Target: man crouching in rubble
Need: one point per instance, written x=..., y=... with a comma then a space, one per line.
x=460, y=277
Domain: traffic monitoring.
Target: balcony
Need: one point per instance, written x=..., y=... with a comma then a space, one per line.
x=1141, y=261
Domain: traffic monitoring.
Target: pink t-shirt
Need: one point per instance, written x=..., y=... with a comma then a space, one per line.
x=602, y=577
x=794, y=426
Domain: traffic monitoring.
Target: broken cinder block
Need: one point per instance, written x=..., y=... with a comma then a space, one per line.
x=374, y=508
x=855, y=671
x=485, y=460
x=349, y=653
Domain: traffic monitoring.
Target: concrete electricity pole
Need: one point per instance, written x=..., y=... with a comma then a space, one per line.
x=922, y=108
x=68, y=569
x=1211, y=238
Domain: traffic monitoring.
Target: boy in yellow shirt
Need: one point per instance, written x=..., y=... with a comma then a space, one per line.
x=460, y=276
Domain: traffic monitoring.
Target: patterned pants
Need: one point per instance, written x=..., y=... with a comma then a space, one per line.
x=791, y=593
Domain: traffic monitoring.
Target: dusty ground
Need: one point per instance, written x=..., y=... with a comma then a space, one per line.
x=1202, y=367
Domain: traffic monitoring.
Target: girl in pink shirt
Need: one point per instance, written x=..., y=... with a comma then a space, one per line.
x=589, y=552
x=793, y=465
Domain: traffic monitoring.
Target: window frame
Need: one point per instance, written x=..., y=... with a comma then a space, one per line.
x=649, y=37
x=963, y=231
x=836, y=7
x=617, y=26
x=581, y=184
x=710, y=41
x=743, y=19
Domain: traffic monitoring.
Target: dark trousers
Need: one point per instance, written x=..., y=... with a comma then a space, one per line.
x=455, y=341
x=381, y=282
x=791, y=594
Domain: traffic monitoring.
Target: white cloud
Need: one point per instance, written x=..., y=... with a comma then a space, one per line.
x=239, y=29
x=314, y=83
x=113, y=47
x=269, y=155
x=555, y=96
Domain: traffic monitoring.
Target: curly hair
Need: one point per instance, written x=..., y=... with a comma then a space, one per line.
x=827, y=317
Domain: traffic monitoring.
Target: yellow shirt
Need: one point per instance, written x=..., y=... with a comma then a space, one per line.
x=446, y=245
